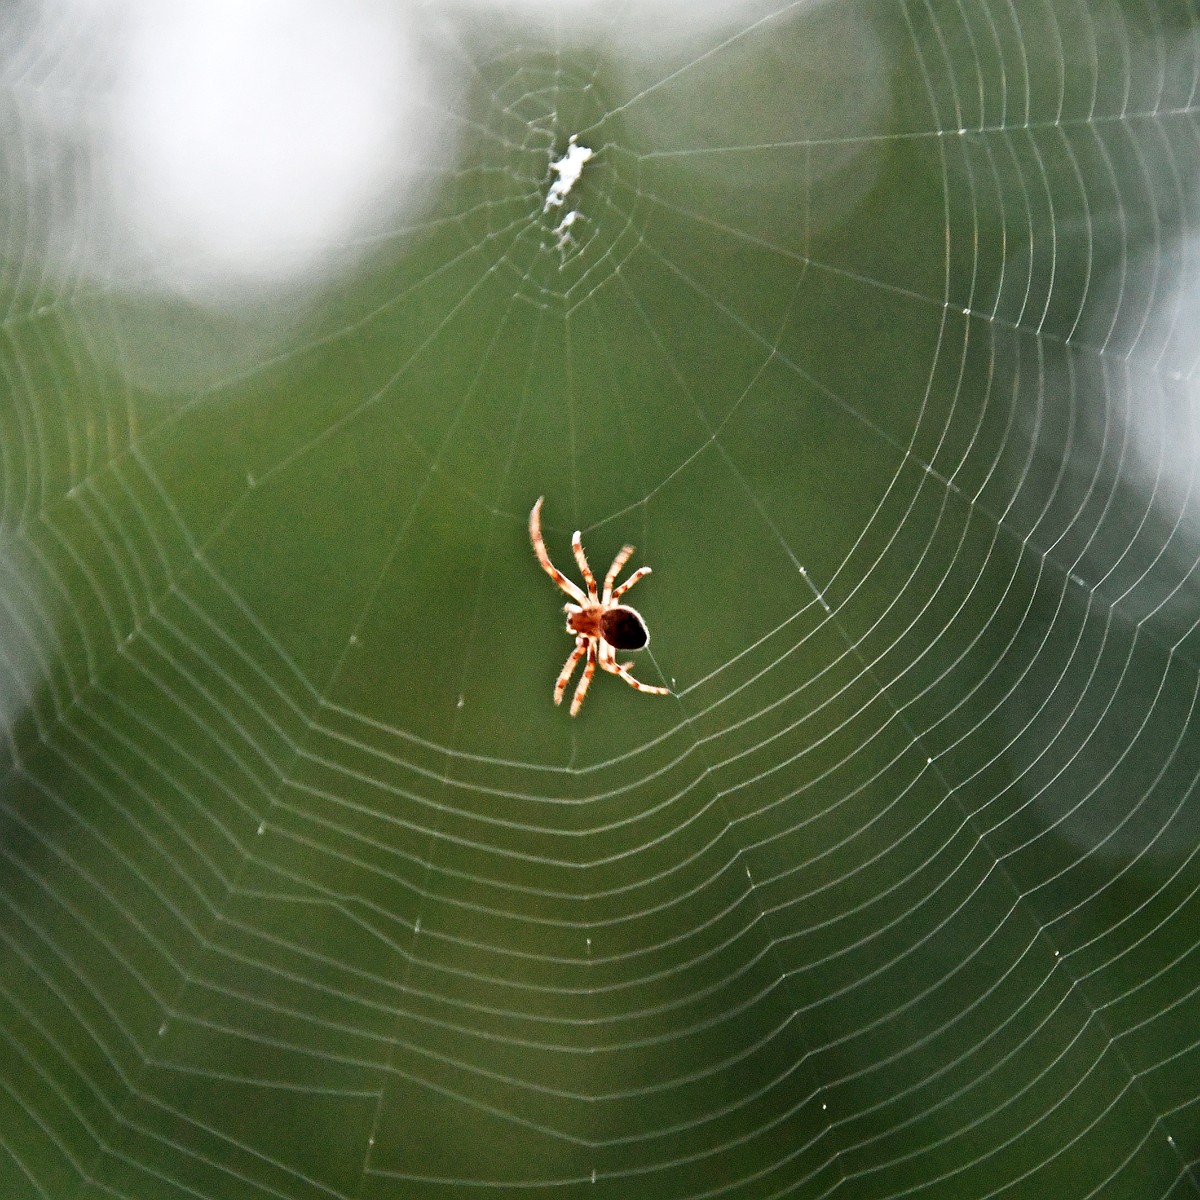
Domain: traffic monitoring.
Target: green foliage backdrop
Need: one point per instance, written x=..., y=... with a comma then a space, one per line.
x=877, y=337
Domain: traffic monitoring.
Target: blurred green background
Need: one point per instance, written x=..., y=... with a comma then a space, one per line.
x=877, y=336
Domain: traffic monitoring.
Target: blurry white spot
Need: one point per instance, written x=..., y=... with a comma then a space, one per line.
x=228, y=156
x=568, y=168
x=262, y=828
x=250, y=480
x=461, y=702
x=250, y=137
x=354, y=639
x=417, y=926
x=162, y=1029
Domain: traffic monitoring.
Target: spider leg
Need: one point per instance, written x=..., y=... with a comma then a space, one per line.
x=564, y=676
x=608, y=662
x=615, y=570
x=640, y=573
x=539, y=548
x=622, y=669
x=584, y=569
x=586, y=678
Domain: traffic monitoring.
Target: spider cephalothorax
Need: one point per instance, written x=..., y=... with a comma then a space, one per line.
x=598, y=623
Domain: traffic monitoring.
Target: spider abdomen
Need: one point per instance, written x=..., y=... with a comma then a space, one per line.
x=624, y=628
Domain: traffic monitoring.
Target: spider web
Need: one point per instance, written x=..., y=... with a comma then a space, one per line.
x=877, y=334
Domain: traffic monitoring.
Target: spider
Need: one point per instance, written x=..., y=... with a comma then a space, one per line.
x=598, y=623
